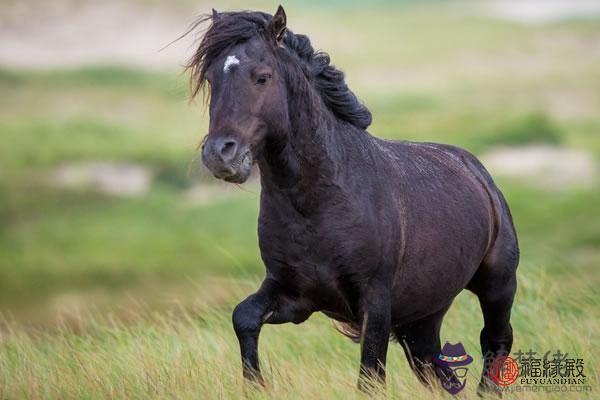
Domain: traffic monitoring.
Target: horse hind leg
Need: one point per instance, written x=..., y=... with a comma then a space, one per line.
x=421, y=343
x=495, y=285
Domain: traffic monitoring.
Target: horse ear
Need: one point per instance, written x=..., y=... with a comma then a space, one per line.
x=215, y=14
x=277, y=24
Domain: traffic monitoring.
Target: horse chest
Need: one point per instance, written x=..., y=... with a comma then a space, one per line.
x=295, y=247
x=319, y=256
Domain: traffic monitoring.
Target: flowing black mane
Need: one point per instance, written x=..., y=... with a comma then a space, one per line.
x=230, y=28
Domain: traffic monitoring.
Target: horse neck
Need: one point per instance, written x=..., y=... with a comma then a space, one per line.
x=310, y=151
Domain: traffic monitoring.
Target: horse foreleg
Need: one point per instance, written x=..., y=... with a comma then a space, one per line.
x=375, y=336
x=267, y=305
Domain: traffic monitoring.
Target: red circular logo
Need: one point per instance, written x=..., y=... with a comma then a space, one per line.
x=504, y=371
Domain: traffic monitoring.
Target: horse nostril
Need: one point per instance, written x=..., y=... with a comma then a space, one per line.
x=228, y=149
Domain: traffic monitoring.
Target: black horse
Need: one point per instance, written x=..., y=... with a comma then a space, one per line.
x=379, y=235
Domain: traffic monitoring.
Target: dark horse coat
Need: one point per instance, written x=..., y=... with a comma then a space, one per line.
x=379, y=235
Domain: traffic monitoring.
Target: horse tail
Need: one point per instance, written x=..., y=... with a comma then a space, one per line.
x=348, y=329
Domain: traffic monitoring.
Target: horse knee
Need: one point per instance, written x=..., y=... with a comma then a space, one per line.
x=247, y=317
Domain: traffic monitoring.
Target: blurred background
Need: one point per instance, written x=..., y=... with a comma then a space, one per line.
x=105, y=208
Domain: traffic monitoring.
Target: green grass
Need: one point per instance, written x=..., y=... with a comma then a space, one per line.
x=108, y=297
x=114, y=255
x=195, y=354
x=529, y=129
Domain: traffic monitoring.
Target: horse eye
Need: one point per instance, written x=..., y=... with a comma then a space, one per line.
x=262, y=79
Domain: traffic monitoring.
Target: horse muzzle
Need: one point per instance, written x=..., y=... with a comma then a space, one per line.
x=227, y=159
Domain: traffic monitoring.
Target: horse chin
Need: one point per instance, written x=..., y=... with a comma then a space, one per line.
x=243, y=170
x=237, y=178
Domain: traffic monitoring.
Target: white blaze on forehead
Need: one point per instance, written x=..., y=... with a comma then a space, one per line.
x=231, y=60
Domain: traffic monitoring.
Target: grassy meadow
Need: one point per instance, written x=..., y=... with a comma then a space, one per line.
x=105, y=296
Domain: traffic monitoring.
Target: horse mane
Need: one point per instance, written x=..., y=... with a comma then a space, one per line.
x=230, y=28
